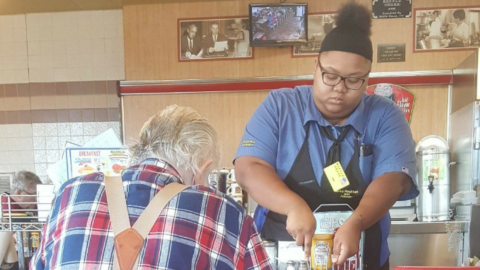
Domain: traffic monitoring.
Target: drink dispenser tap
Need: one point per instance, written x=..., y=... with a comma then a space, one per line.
x=433, y=159
x=431, y=187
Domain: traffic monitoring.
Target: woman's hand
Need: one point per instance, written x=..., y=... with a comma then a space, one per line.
x=347, y=240
x=301, y=225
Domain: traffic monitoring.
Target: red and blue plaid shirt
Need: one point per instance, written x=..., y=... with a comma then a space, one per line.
x=198, y=229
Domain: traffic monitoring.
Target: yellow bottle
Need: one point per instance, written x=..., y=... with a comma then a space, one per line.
x=322, y=245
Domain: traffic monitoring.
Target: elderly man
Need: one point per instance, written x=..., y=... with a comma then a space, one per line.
x=198, y=229
x=21, y=200
x=191, y=43
x=23, y=191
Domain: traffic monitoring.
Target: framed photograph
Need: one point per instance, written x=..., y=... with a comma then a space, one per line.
x=319, y=24
x=213, y=39
x=449, y=28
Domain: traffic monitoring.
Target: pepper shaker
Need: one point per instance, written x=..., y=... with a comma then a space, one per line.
x=303, y=265
x=290, y=265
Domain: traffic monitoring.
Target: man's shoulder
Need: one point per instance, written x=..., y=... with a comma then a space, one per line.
x=292, y=97
x=96, y=177
x=378, y=102
x=198, y=194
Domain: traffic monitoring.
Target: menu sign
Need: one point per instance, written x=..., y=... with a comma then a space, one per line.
x=391, y=53
x=388, y=9
x=401, y=96
x=83, y=161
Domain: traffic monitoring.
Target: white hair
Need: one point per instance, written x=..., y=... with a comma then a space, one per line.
x=25, y=180
x=179, y=134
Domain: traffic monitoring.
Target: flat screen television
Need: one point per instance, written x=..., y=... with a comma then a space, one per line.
x=279, y=24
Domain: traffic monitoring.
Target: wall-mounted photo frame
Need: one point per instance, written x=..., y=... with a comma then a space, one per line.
x=447, y=28
x=214, y=39
x=319, y=24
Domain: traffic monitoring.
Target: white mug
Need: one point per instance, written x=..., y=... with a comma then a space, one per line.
x=231, y=175
x=234, y=190
x=238, y=199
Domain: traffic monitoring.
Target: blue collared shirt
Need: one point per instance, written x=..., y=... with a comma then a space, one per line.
x=276, y=132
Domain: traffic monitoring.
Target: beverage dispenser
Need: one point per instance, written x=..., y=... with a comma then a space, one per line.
x=433, y=179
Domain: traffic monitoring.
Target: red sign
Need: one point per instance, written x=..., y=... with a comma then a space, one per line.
x=401, y=96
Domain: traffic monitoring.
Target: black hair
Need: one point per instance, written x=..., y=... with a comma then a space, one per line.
x=356, y=15
x=459, y=14
x=352, y=31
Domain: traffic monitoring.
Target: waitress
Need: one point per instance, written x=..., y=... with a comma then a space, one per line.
x=296, y=133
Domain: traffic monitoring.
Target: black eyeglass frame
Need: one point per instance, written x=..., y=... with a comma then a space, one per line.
x=342, y=78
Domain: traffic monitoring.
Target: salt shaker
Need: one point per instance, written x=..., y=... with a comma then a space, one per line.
x=290, y=265
x=303, y=265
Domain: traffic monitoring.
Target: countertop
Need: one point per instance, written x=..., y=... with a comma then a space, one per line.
x=405, y=227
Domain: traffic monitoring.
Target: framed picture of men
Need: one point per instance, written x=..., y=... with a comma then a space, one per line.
x=319, y=24
x=452, y=28
x=213, y=39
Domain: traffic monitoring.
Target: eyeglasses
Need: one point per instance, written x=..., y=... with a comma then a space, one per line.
x=29, y=192
x=332, y=79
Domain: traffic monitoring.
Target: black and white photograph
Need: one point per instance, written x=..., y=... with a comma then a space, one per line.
x=318, y=26
x=447, y=29
x=214, y=39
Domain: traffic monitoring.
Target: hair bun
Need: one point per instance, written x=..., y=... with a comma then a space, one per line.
x=355, y=15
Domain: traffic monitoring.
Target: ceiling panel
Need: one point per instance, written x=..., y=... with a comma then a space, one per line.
x=39, y=6
x=35, y=6
x=97, y=4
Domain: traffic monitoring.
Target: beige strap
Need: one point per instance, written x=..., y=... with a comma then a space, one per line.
x=147, y=219
x=119, y=218
x=117, y=204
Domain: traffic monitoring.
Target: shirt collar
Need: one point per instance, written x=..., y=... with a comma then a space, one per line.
x=155, y=171
x=356, y=120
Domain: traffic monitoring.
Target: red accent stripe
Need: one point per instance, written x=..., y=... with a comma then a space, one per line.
x=269, y=85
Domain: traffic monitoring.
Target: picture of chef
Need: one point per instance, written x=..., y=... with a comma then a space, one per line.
x=447, y=28
x=318, y=26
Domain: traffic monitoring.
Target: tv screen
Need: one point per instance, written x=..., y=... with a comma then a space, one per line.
x=278, y=24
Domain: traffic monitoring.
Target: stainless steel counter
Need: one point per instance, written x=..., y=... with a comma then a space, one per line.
x=401, y=227
x=427, y=243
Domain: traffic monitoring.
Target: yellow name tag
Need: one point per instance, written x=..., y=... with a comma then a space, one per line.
x=336, y=176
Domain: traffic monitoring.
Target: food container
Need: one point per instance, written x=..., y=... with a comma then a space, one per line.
x=329, y=218
x=271, y=249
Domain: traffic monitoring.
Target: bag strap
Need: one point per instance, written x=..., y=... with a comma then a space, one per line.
x=120, y=220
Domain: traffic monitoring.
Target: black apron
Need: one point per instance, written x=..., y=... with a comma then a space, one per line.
x=302, y=180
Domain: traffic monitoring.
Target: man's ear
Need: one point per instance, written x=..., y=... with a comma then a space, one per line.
x=201, y=177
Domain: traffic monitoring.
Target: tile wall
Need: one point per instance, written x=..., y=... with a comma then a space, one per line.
x=36, y=146
x=59, y=76
x=75, y=46
x=13, y=49
x=36, y=119
x=62, y=47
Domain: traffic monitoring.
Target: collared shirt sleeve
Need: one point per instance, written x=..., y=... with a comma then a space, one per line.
x=260, y=138
x=255, y=257
x=394, y=149
x=38, y=261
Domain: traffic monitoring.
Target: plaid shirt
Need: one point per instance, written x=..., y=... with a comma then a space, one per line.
x=198, y=229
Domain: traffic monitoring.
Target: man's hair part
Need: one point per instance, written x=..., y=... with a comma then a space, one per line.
x=179, y=134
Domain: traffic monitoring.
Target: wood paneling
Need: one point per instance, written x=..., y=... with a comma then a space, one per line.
x=151, y=43
x=429, y=112
x=230, y=112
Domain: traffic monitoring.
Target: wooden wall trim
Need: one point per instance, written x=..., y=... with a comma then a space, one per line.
x=442, y=77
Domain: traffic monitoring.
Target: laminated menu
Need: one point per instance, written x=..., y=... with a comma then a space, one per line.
x=83, y=161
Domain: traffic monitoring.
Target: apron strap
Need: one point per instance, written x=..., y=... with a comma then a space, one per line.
x=130, y=239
